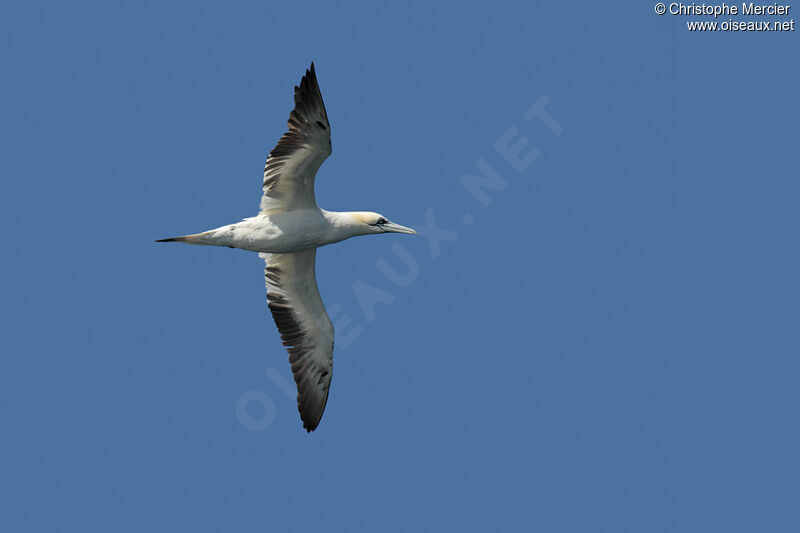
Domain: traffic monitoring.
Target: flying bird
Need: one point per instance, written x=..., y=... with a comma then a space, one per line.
x=286, y=233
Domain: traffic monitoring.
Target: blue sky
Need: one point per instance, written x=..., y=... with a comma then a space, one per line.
x=601, y=342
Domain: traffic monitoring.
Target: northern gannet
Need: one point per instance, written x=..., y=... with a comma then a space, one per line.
x=286, y=233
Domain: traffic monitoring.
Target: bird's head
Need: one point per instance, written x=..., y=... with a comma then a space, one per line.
x=368, y=222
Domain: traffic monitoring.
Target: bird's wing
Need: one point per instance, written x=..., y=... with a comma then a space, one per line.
x=305, y=328
x=293, y=163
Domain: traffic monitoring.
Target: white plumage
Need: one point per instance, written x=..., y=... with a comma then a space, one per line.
x=286, y=233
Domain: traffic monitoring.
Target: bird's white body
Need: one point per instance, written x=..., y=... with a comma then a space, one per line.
x=286, y=233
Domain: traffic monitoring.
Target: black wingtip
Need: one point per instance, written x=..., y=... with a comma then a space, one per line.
x=166, y=240
x=311, y=72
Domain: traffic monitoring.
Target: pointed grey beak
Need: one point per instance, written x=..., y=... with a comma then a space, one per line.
x=391, y=227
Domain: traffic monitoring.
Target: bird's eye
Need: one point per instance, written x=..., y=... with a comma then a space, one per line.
x=381, y=221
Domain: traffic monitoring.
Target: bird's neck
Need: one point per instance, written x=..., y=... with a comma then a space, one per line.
x=345, y=224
